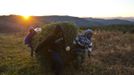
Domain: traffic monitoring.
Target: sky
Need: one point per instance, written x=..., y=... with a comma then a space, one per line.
x=78, y=8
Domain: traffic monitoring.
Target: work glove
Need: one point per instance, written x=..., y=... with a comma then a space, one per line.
x=37, y=29
x=67, y=48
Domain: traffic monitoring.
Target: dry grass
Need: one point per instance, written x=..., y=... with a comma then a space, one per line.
x=113, y=54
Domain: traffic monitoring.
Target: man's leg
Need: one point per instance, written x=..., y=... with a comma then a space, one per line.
x=57, y=63
x=32, y=50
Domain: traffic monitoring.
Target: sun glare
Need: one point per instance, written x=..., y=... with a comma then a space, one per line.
x=26, y=17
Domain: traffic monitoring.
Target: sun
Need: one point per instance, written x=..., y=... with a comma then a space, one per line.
x=26, y=17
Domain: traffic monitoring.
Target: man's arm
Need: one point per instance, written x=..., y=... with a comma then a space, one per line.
x=90, y=49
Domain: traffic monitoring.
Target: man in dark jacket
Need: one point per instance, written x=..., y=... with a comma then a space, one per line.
x=54, y=44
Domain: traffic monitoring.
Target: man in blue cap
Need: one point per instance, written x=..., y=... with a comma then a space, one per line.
x=83, y=46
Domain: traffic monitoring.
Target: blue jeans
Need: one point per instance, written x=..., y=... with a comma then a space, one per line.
x=57, y=63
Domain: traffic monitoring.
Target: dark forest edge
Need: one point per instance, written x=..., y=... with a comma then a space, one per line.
x=121, y=28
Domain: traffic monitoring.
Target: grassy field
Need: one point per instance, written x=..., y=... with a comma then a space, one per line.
x=113, y=54
x=15, y=56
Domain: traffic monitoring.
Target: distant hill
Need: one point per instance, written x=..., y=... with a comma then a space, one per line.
x=76, y=20
x=110, y=21
x=121, y=18
x=9, y=24
x=127, y=18
x=14, y=23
